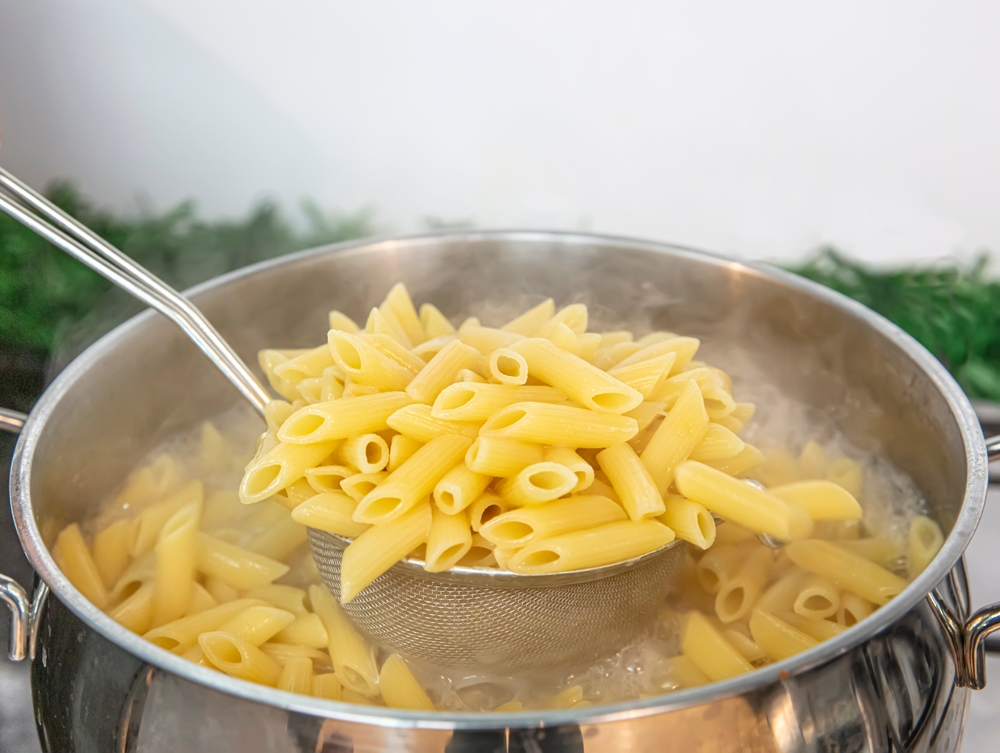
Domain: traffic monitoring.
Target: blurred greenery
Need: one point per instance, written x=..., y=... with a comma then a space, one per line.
x=43, y=291
x=953, y=311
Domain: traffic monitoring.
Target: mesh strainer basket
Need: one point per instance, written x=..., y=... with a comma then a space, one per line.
x=482, y=617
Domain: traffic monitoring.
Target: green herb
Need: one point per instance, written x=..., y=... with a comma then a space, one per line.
x=43, y=291
x=952, y=311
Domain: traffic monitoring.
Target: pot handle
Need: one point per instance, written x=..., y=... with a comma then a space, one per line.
x=24, y=611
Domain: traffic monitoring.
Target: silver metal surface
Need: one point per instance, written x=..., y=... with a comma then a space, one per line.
x=105, y=259
x=481, y=617
x=889, y=683
x=16, y=599
x=12, y=421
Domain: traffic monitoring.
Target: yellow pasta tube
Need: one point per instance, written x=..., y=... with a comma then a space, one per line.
x=885, y=552
x=672, y=443
x=645, y=376
x=328, y=686
x=575, y=378
x=543, y=423
x=594, y=547
x=610, y=339
x=427, y=350
x=73, y=557
x=178, y=636
x=361, y=357
x=480, y=554
x=486, y=507
x=234, y=566
x=734, y=500
x=925, y=541
x=269, y=360
x=684, y=673
x=353, y=659
x=780, y=596
x=289, y=598
x=853, y=609
x=412, y=481
x=583, y=470
x=823, y=500
x=718, y=565
x=683, y=347
x=136, y=612
x=818, y=599
x=574, y=316
x=146, y=526
x=435, y=323
x=398, y=302
x=400, y=689
x=150, y=482
x=297, y=676
x=441, y=371
x=331, y=387
x=486, y=339
x=331, y=512
x=307, y=630
x=538, y=483
x=740, y=591
x=220, y=508
x=475, y=402
x=327, y=478
x=310, y=363
x=258, y=624
x=340, y=419
x=221, y=591
x=385, y=323
x=281, y=466
x=521, y=526
x=508, y=367
x=342, y=322
x=820, y=630
x=847, y=474
x=690, y=521
x=718, y=443
x=852, y=572
x=777, y=638
x=746, y=459
x=532, y=320
x=239, y=659
x=360, y=484
x=565, y=339
x=632, y=481
x=417, y=423
x=201, y=600
x=459, y=488
x=400, y=449
x=382, y=546
x=813, y=460
x=176, y=558
x=710, y=651
x=468, y=375
x=494, y=456
x=353, y=389
x=279, y=539
x=111, y=555
x=369, y=453
x=750, y=650
x=449, y=540
x=282, y=652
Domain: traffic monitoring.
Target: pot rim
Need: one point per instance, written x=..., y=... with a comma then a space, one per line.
x=954, y=546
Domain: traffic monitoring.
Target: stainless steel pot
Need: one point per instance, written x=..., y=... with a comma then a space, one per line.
x=900, y=680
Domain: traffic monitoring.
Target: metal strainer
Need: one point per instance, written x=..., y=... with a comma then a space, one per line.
x=482, y=617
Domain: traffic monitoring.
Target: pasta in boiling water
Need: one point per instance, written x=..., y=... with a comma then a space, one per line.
x=533, y=446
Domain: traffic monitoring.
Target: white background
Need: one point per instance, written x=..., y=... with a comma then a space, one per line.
x=759, y=129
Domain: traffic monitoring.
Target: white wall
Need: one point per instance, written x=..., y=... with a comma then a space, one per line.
x=760, y=129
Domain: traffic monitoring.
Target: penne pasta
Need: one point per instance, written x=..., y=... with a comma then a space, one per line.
x=111, y=551
x=342, y=322
x=672, y=443
x=412, y=481
x=71, y=554
x=135, y=613
x=819, y=599
x=257, y=624
x=739, y=592
x=359, y=485
x=306, y=630
x=368, y=453
x=343, y=418
x=494, y=456
x=327, y=478
x=474, y=402
x=565, y=456
x=397, y=303
x=823, y=500
x=559, y=425
x=709, y=651
x=459, y=488
x=690, y=521
x=480, y=554
x=746, y=459
x=296, y=676
x=145, y=529
x=239, y=659
x=417, y=423
x=594, y=547
x=575, y=378
x=382, y=546
x=448, y=541
x=180, y=635
x=331, y=512
x=289, y=598
x=399, y=688
x=486, y=507
x=327, y=686
x=538, y=483
x=487, y=339
x=719, y=443
x=850, y=571
x=508, y=367
x=278, y=540
x=777, y=638
x=400, y=449
x=573, y=316
x=519, y=527
x=846, y=474
x=435, y=323
x=925, y=541
x=645, y=376
x=853, y=609
x=684, y=349
x=441, y=371
x=176, y=559
x=631, y=481
x=820, y=630
x=280, y=467
x=532, y=320
x=353, y=659
x=234, y=566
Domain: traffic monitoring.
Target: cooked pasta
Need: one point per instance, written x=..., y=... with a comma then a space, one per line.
x=536, y=447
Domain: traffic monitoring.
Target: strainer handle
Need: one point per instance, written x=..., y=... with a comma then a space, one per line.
x=43, y=217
